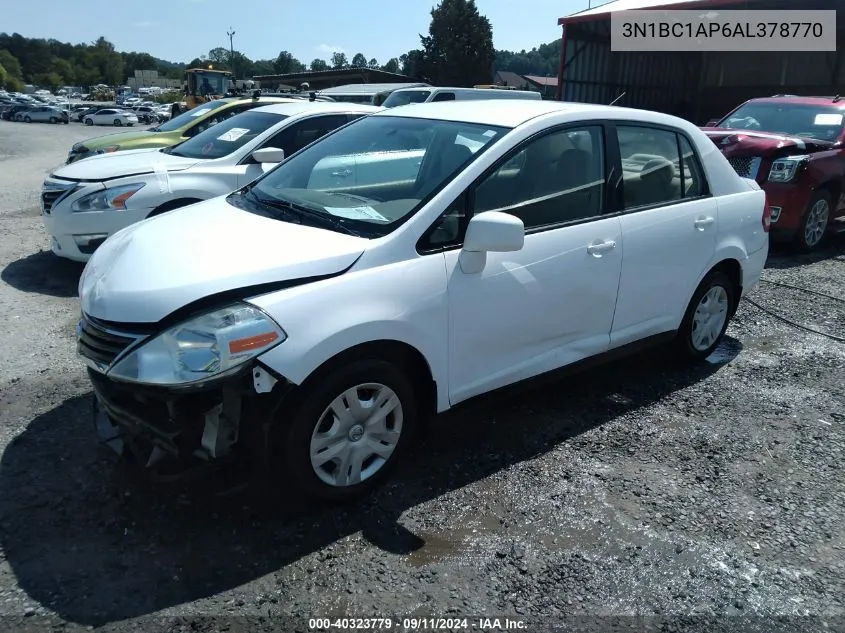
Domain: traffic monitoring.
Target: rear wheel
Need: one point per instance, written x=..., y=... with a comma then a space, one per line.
x=707, y=317
x=53, y=120
x=814, y=222
x=118, y=122
x=89, y=122
x=347, y=433
x=27, y=119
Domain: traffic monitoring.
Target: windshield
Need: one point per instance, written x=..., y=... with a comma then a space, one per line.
x=227, y=136
x=809, y=121
x=191, y=115
x=373, y=174
x=405, y=97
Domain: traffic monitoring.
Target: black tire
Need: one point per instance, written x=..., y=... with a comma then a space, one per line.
x=53, y=120
x=27, y=119
x=89, y=121
x=289, y=444
x=684, y=345
x=118, y=122
x=805, y=240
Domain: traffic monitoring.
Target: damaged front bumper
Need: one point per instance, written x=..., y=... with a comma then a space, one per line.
x=176, y=433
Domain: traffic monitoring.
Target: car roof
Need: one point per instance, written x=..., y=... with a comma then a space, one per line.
x=511, y=113
x=796, y=100
x=240, y=100
x=300, y=106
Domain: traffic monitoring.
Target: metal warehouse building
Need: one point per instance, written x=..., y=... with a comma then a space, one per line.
x=696, y=85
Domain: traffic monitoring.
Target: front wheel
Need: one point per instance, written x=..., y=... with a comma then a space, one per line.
x=707, y=317
x=814, y=222
x=89, y=122
x=27, y=120
x=118, y=122
x=53, y=120
x=349, y=431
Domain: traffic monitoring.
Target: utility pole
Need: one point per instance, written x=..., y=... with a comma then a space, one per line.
x=231, y=34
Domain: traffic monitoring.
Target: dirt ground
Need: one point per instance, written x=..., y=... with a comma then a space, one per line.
x=638, y=496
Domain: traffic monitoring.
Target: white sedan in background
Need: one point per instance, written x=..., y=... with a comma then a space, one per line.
x=312, y=325
x=85, y=202
x=110, y=116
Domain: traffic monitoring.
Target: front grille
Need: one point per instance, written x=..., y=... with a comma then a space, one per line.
x=745, y=166
x=52, y=193
x=102, y=343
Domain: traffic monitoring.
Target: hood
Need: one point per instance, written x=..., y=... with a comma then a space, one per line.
x=119, y=138
x=767, y=144
x=125, y=163
x=146, y=271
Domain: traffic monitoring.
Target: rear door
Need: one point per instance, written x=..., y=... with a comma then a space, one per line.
x=669, y=230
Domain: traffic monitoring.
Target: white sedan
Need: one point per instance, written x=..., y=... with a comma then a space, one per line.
x=110, y=116
x=85, y=202
x=314, y=324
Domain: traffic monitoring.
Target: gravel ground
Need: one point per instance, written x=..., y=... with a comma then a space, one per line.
x=676, y=495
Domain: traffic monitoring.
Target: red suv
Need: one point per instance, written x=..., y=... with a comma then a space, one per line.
x=793, y=147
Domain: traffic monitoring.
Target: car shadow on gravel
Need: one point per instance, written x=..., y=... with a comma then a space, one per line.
x=44, y=273
x=95, y=543
x=782, y=257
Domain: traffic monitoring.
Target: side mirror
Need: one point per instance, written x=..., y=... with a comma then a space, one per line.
x=268, y=155
x=712, y=123
x=491, y=231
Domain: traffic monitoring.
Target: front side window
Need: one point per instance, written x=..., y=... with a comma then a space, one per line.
x=349, y=179
x=227, y=137
x=404, y=97
x=651, y=167
x=190, y=116
x=809, y=121
x=296, y=136
x=556, y=178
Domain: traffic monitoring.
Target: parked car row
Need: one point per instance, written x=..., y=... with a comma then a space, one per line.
x=303, y=284
x=794, y=148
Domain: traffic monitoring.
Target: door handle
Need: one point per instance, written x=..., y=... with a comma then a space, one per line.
x=600, y=248
x=342, y=173
x=701, y=223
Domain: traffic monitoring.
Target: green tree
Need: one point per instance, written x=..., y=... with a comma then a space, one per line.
x=373, y=63
x=286, y=63
x=359, y=61
x=11, y=64
x=392, y=65
x=411, y=64
x=51, y=81
x=197, y=62
x=219, y=57
x=318, y=65
x=339, y=60
x=458, y=50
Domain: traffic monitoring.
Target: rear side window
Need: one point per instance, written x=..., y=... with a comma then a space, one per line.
x=444, y=96
x=658, y=167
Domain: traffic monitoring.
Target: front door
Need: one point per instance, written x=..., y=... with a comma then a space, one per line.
x=551, y=303
x=669, y=227
x=293, y=138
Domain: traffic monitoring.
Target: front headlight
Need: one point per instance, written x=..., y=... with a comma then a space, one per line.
x=105, y=199
x=784, y=169
x=109, y=149
x=205, y=347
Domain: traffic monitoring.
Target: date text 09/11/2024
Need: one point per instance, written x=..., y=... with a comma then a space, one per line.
x=416, y=624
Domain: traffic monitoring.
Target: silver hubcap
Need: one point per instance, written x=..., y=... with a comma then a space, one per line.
x=709, y=318
x=356, y=434
x=816, y=222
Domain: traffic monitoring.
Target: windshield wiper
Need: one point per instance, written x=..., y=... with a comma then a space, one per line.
x=302, y=213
